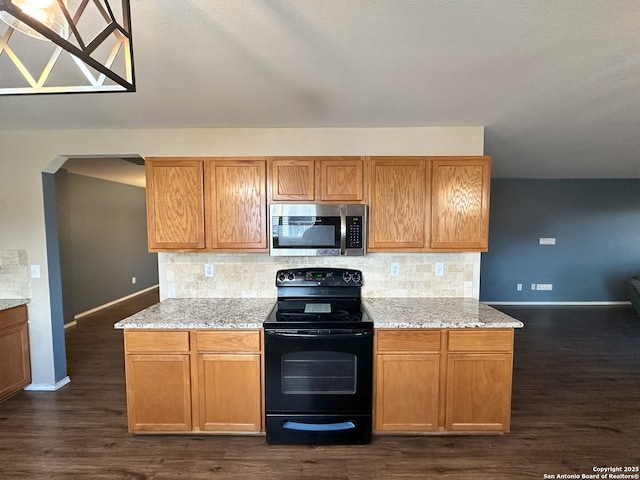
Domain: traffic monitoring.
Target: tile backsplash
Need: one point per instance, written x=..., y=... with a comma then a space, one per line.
x=253, y=275
x=14, y=274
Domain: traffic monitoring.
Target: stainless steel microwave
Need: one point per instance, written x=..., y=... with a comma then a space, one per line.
x=316, y=230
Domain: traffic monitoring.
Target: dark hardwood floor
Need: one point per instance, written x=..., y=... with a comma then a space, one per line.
x=576, y=406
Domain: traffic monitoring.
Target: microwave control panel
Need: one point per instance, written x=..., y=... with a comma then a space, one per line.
x=354, y=232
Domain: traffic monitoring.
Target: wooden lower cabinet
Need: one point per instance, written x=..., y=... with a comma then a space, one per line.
x=15, y=364
x=193, y=381
x=159, y=392
x=229, y=381
x=478, y=392
x=443, y=380
x=407, y=392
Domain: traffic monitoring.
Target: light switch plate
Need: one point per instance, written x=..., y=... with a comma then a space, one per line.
x=439, y=269
x=35, y=271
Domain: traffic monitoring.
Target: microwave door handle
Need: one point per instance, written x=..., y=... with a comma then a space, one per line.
x=343, y=230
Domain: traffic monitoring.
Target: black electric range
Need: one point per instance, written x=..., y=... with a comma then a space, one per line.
x=318, y=350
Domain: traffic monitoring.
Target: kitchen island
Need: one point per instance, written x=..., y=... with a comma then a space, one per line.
x=442, y=365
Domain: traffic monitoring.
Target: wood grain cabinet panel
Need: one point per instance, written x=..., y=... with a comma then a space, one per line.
x=317, y=179
x=230, y=392
x=175, y=204
x=292, y=179
x=407, y=397
x=460, y=218
x=340, y=179
x=399, y=204
x=478, y=392
x=15, y=363
x=158, y=392
x=236, y=205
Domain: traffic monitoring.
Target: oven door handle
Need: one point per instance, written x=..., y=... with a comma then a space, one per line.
x=319, y=334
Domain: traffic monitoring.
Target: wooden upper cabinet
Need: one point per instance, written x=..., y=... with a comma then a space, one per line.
x=236, y=204
x=460, y=212
x=340, y=179
x=399, y=205
x=292, y=179
x=317, y=179
x=175, y=204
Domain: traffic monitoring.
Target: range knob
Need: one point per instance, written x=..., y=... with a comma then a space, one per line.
x=281, y=277
x=346, y=276
x=290, y=276
x=356, y=277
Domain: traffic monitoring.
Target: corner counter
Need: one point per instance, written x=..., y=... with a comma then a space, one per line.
x=7, y=303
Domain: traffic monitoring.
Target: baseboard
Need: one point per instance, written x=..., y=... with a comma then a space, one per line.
x=587, y=304
x=45, y=387
x=114, y=302
x=70, y=324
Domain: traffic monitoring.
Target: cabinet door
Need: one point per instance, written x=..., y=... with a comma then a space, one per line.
x=461, y=203
x=158, y=392
x=407, y=392
x=292, y=179
x=340, y=179
x=175, y=204
x=478, y=392
x=15, y=366
x=230, y=392
x=399, y=204
x=236, y=204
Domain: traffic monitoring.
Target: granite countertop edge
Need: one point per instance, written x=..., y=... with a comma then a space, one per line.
x=7, y=303
x=243, y=313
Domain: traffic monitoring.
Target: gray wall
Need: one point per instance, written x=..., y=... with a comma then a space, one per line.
x=596, y=224
x=103, y=242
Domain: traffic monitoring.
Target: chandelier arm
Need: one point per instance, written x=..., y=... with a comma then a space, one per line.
x=101, y=37
x=72, y=24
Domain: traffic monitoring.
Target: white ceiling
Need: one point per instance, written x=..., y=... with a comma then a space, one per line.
x=555, y=83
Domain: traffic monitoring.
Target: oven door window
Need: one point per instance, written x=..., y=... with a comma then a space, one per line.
x=306, y=232
x=319, y=373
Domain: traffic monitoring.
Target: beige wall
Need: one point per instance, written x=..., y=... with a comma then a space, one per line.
x=24, y=155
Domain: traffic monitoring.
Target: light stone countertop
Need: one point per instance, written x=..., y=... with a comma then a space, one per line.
x=212, y=313
x=7, y=303
x=202, y=313
x=436, y=313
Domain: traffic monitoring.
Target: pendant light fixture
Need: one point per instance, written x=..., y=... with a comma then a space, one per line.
x=65, y=46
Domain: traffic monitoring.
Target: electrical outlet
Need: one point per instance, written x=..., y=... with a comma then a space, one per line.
x=544, y=286
x=439, y=269
x=395, y=269
x=519, y=287
x=208, y=270
x=546, y=241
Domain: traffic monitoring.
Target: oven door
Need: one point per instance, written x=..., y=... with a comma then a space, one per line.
x=318, y=371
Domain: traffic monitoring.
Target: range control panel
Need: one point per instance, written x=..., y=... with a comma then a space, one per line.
x=325, y=277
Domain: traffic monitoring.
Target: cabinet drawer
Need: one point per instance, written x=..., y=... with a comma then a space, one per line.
x=481, y=340
x=408, y=340
x=13, y=316
x=228, y=341
x=146, y=341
